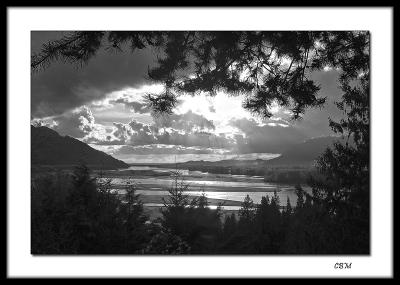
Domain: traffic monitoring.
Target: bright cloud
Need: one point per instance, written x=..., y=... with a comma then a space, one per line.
x=199, y=124
x=121, y=121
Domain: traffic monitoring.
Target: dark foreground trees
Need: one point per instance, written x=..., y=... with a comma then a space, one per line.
x=192, y=220
x=74, y=214
x=77, y=214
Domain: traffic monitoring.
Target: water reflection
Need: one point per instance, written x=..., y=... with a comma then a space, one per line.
x=222, y=187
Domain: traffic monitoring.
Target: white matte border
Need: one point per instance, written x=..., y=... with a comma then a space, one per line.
x=21, y=21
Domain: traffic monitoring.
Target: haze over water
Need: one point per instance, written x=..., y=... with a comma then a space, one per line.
x=179, y=158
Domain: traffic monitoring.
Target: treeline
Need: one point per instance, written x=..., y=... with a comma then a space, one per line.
x=77, y=214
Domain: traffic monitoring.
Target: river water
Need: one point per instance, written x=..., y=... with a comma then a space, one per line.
x=214, y=186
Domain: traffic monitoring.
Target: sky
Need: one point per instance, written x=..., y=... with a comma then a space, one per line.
x=101, y=104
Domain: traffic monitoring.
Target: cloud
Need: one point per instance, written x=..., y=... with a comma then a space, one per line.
x=137, y=107
x=62, y=87
x=188, y=122
x=188, y=130
x=158, y=153
x=80, y=123
x=110, y=89
x=121, y=133
x=76, y=123
x=267, y=137
x=201, y=139
x=164, y=149
x=142, y=134
x=133, y=133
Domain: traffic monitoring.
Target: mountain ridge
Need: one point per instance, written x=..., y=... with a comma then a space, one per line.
x=50, y=148
x=306, y=152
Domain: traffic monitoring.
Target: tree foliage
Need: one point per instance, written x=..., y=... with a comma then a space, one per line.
x=190, y=219
x=266, y=66
x=77, y=214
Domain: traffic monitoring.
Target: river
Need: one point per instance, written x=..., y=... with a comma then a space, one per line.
x=217, y=187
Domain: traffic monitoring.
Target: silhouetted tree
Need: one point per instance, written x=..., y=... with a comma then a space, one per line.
x=268, y=66
x=201, y=201
x=175, y=205
x=300, y=197
x=247, y=210
x=268, y=225
x=230, y=225
x=344, y=189
x=165, y=242
x=75, y=214
x=288, y=209
x=134, y=220
x=192, y=221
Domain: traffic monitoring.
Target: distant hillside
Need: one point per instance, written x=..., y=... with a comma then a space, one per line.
x=304, y=153
x=50, y=148
x=300, y=154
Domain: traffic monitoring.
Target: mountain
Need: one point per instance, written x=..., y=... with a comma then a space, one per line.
x=50, y=148
x=304, y=153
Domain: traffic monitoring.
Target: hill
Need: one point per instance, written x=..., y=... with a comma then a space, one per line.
x=304, y=153
x=50, y=148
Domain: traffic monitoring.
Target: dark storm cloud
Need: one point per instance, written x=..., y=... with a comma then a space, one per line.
x=64, y=86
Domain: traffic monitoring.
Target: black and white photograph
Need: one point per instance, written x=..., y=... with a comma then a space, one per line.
x=200, y=142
